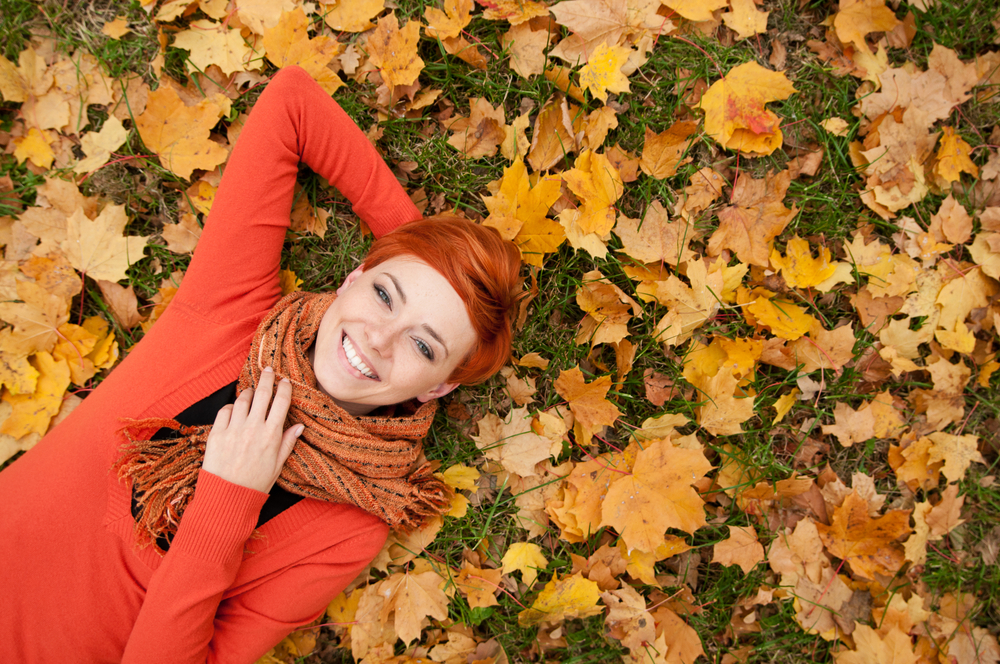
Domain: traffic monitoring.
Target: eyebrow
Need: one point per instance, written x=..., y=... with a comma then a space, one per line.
x=428, y=328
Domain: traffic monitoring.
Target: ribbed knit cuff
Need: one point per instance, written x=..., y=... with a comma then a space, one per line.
x=384, y=218
x=220, y=518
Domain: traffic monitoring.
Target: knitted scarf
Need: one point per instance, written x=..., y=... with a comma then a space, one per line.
x=365, y=461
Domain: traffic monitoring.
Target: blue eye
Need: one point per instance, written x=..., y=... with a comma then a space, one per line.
x=425, y=350
x=383, y=295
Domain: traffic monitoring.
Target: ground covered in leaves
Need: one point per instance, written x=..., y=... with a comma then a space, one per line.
x=751, y=414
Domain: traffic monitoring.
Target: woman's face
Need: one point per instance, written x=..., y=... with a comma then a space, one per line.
x=395, y=332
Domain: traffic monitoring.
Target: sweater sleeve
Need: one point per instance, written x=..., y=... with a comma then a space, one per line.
x=184, y=618
x=236, y=263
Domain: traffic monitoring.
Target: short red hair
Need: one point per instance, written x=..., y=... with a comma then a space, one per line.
x=481, y=266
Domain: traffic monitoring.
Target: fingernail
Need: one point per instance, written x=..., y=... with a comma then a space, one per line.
x=268, y=369
x=302, y=428
x=285, y=380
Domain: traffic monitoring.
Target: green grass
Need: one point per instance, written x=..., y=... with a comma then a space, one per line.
x=829, y=212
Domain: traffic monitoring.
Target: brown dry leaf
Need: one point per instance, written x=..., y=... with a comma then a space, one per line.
x=36, y=320
x=657, y=495
x=628, y=617
x=868, y=545
x=179, y=134
x=552, y=136
x=410, y=598
x=756, y=216
x=98, y=145
x=657, y=238
x=521, y=390
x=661, y=153
x=122, y=302
x=688, y=307
x=705, y=188
x=182, y=237
x=734, y=109
x=570, y=597
x=527, y=46
x=741, y=548
x=696, y=10
x=394, y=51
x=851, y=426
x=608, y=310
x=588, y=403
x=97, y=248
x=533, y=361
x=512, y=442
x=871, y=647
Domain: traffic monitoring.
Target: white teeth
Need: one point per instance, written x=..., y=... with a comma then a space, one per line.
x=352, y=357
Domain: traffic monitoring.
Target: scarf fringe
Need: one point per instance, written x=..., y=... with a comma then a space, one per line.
x=430, y=497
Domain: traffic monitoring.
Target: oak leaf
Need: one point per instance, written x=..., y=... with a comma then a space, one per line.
x=570, y=597
x=588, y=403
x=868, y=545
x=179, y=134
x=657, y=495
x=741, y=548
x=734, y=109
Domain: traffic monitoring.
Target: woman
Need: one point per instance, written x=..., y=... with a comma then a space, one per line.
x=191, y=560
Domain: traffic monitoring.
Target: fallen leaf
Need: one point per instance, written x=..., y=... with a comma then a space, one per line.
x=570, y=597
x=741, y=548
x=526, y=558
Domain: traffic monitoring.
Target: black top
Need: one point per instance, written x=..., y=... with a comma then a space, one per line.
x=204, y=412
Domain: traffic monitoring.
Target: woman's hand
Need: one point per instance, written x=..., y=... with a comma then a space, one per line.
x=246, y=445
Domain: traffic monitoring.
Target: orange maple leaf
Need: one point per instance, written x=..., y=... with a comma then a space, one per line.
x=588, y=402
x=868, y=545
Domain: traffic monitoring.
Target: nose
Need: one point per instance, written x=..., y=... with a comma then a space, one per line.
x=381, y=336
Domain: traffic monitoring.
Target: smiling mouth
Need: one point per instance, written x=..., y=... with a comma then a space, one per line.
x=356, y=361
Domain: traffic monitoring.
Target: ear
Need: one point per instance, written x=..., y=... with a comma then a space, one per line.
x=435, y=392
x=350, y=279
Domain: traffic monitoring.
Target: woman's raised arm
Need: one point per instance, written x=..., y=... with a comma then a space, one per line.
x=237, y=259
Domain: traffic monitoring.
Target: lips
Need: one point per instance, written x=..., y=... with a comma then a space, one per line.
x=355, y=359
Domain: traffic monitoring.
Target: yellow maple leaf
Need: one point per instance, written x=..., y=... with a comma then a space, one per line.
x=741, y=548
x=36, y=146
x=394, y=51
x=745, y=20
x=98, y=145
x=179, y=134
x=767, y=309
x=513, y=443
x=952, y=158
x=696, y=10
x=688, y=307
x=97, y=247
x=352, y=15
x=722, y=412
x=571, y=597
x=859, y=18
x=288, y=43
x=658, y=494
x=661, y=153
x=33, y=412
x=461, y=477
x=596, y=182
x=526, y=558
x=117, y=28
x=410, y=597
x=588, y=402
x=449, y=22
x=798, y=266
x=210, y=43
x=603, y=71
x=734, y=109
x=36, y=320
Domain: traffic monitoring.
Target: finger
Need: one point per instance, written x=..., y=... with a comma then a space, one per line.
x=262, y=395
x=241, y=407
x=282, y=402
x=288, y=442
x=222, y=417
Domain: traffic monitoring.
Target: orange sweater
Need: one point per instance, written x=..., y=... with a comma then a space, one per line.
x=72, y=586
